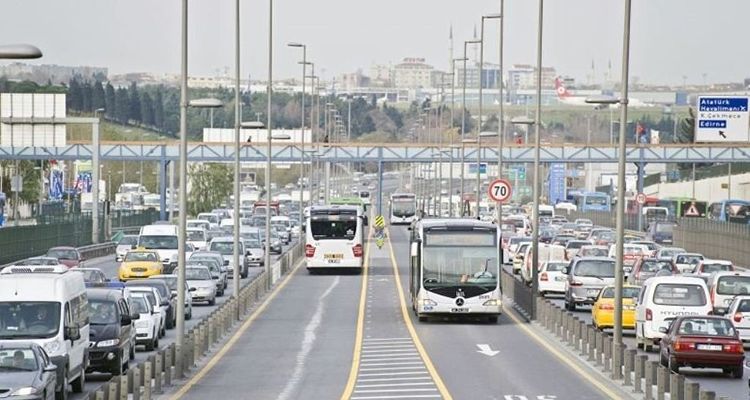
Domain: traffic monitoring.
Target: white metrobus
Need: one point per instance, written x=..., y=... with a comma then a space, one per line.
x=403, y=208
x=335, y=238
x=455, y=269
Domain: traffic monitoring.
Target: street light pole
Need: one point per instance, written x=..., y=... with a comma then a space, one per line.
x=302, y=138
x=621, y=178
x=481, y=102
x=537, y=145
x=269, y=125
x=181, y=237
x=501, y=110
x=463, y=122
x=237, y=109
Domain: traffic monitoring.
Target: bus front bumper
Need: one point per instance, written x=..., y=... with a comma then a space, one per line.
x=488, y=307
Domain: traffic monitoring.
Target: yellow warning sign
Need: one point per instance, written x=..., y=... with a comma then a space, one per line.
x=379, y=221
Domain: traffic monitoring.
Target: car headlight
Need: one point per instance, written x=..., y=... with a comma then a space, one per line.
x=25, y=391
x=427, y=302
x=52, y=347
x=491, y=303
x=108, y=343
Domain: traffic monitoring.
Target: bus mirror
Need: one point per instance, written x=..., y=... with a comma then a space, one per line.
x=414, y=249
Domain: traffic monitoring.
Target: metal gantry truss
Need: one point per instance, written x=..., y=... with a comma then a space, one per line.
x=385, y=153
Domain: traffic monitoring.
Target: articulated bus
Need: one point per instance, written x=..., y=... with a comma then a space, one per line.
x=455, y=269
x=403, y=208
x=353, y=201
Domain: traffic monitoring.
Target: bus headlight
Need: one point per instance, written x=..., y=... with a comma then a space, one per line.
x=427, y=302
x=491, y=303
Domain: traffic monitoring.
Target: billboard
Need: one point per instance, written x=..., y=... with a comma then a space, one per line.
x=32, y=105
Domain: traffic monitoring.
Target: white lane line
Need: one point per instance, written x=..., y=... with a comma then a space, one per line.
x=370, y=364
x=393, y=366
x=388, y=346
x=396, y=373
x=415, y=396
x=387, y=339
x=395, y=379
x=392, y=354
x=307, y=344
x=396, y=384
x=389, y=350
x=395, y=390
x=405, y=358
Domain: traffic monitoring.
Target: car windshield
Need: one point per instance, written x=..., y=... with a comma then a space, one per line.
x=171, y=282
x=166, y=242
x=627, y=292
x=333, y=230
x=225, y=248
x=711, y=268
x=197, y=274
x=128, y=241
x=733, y=285
x=93, y=276
x=595, y=268
x=103, y=312
x=139, y=305
x=197, y=236
x=575, y=245
x=211, y=218
x=670, y=252
x=141, y=256
x=17, y=359
x=40, y=261
x=63, y=254
x=688, y=259
x=593, y=252
x=706, y=327
x=664, y=228
x=650, y=245
x=679, y=294
x=29, y=320
x=556, y=267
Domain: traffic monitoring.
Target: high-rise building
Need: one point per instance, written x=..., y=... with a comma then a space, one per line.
x=413, y=73
x=490, y=75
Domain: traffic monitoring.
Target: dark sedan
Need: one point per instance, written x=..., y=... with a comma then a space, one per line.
x=702, y=342
x=26, y=372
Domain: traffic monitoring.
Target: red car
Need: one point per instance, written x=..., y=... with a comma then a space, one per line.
x=68, y=256
x=702, y=342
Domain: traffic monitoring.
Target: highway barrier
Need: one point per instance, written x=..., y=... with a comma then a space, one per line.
x=620, y=363
x=147, y=379
x=517, y=291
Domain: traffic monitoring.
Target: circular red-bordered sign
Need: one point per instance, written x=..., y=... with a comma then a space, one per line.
x=499, y=190
x=641, y=198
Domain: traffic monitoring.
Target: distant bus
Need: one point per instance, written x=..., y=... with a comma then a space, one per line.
x=632, y=205
x=593, y=201
x=735, y=211
x=403, y=208
x=352, y=201
x=684, y=207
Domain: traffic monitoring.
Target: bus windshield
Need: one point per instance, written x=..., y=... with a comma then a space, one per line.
x=403, y=207
x=593, y=200
x=453, y=260
x=333, y=230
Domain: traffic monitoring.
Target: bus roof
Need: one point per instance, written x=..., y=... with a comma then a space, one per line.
x=456, y=223
x=346, y=201
x=393, y=195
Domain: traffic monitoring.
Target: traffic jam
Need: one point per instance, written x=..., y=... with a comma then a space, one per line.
x=690, y=311
x=65, y=319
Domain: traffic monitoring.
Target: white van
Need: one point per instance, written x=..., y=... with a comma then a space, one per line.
x=546, y=211
x=163, y=239
x=663, y=299
x=48, y=305
x=335, y=238
x=547, y=252
x=197, y=237
x=725, y=286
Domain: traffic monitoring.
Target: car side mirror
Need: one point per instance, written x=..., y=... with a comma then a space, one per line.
x=165, y=303
x=566, y=270
x=173, y=296
x=50, y=368
x=192, y=289
x=214, y=277
x=663, y=329
x=126, y=319
x=72, y=333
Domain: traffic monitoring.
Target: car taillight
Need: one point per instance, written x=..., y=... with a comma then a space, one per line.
x=649, y=314
x=734, y=348
x=543, y=277
x=576, y=283
x=737, y=317
x=607, y=306
x=357, y=250
x=309, y=250
x=680, y=346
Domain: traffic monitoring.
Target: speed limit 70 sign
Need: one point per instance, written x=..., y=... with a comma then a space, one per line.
x=499, y=190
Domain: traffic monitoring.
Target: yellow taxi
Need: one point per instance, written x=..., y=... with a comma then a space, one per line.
x=603, y=311
x=139, y=264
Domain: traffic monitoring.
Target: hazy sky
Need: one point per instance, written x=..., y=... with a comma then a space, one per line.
x=670, y=38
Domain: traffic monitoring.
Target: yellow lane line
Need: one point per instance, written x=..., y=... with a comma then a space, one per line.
x=357, y=357
x=230, y=343
x=410, y=327
x=565, y=359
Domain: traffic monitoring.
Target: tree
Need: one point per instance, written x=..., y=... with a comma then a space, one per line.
x=368, y=125
x=122, y=105
x=211, y=185
x=75, y=96
x=147, y=109
x=86, y=95
x=110, y=105
x=98, y=96
x=158, y=109
x=134, y=102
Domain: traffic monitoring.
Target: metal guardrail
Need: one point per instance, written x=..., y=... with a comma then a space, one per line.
x=622, y=364
x=149, y=378
x=519, y=292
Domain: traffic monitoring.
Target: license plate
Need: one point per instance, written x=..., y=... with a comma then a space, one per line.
x=460, y=310
x=709, y=347
x=333, y=261
x=333, y=256
x=628, y=307
x=593, y=292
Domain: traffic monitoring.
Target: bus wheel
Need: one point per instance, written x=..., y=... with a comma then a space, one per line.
x=422, y=318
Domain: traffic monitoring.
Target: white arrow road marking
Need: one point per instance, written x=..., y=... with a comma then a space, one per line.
x=486, y=350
